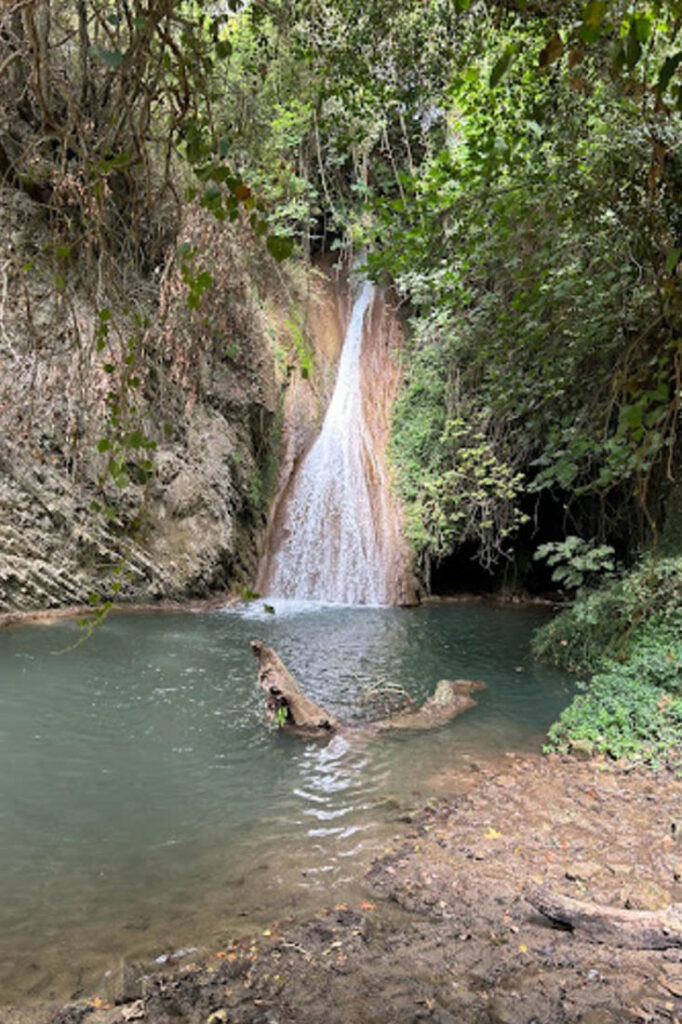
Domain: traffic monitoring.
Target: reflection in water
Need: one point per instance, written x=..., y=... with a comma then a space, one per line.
x=144, y=804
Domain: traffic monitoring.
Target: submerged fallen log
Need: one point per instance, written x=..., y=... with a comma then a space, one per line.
x=285, y=702
x=289, y=707
x=628, y=929
x=450, y=698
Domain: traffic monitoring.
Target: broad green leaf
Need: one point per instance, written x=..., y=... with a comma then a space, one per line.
x=670, y=65
x=280, y=247
x=593, y=13
x=642, y=27
x=593, y=18
x=632, y=48
x=112, y=58
x=672, y=259
x=501, y=67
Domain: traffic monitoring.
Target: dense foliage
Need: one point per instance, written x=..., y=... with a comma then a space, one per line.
x=627, y=640
x=516, y=173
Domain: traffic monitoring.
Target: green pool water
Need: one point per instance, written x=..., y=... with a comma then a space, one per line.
x=145, y=807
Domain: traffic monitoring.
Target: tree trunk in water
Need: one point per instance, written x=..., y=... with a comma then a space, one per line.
x=289, y=707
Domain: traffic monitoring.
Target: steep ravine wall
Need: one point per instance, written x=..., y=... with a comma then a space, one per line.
x=209, y=395
x=233, y=393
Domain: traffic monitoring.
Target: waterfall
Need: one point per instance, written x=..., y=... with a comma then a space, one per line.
x=337, y=526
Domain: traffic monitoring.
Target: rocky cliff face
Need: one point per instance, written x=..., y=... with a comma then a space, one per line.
x=206, y=398
x=218, y=368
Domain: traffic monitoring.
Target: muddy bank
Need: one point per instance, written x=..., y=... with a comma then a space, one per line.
x=447, y=934
x=47, y=616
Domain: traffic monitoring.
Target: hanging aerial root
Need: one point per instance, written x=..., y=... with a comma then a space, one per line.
x=628, y=929
x=289, y=707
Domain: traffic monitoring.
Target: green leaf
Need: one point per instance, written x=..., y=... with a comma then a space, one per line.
x=593, y=13
x=112, y=58
x=670, y=65
x=280, y=246
x=223, y=49
x=501, y=67
x=593, y=18
x=672, y=259
x=642, y=27
x=103, y=445
x=632, y=48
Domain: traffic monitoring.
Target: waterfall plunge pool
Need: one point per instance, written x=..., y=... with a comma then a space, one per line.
x=145, y=807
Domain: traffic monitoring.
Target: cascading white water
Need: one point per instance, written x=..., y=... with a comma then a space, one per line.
x=337, y=515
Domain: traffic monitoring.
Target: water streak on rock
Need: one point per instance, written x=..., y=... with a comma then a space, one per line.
x=340, y=537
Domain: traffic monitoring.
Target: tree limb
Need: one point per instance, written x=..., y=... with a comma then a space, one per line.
x=629, y=929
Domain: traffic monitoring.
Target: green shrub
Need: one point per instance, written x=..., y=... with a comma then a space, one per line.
x=630, y=636
x=605, y=623
x=631, y=710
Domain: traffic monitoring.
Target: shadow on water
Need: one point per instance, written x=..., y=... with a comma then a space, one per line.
x=144, y=806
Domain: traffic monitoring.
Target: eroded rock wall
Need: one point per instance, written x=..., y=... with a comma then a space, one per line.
x=208, y=396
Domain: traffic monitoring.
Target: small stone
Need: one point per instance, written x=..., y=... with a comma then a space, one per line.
x=125, y=983
x=582, y=749
x=478, y=853
x=647, y=896
x=133, y=1011
x=673, y=983
x=582, y=871
x=621, y=869
x=218, y=1017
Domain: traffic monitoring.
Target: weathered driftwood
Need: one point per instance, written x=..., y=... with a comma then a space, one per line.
x=285, y=701
x=629, y=929
x=450, y=698
x=292, y=710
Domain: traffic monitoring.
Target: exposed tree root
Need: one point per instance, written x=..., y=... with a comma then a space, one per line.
x=629, y=929
x=289, y=707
